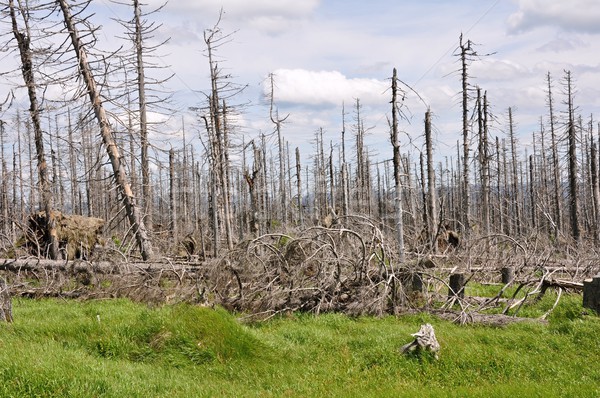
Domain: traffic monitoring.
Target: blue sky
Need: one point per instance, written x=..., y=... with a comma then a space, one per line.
x=325, y=53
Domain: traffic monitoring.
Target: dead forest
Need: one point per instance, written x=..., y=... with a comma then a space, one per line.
x=91, y=207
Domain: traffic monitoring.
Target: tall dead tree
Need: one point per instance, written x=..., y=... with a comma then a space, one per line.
x=140, y=32
x=558, y=213
x=516, y=191
x=218, y=129
x=397, y=167
x=466, y=52
x=274, y=116
x=431, y=204
x=595, y=183
x=23, y=38
x=572, y=159
x=118, y=167
x=482, y=111
x=141, y=84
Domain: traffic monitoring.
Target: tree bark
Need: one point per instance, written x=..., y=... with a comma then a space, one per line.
x=119, y=174
x=397, y=166
x=27, y=69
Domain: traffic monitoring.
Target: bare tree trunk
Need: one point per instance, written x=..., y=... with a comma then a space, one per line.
x=299, y=187
x=465, y=50
x=484, y=162
x=119, y=174
x=431, y=190
x=274, y=115
x=595, y=185
x=516, y=192
x=172, y=203
x=344, y=170
x=397, y=167
x=23, y=42
x=572, y=159
x=147, y=203
x=558, y=214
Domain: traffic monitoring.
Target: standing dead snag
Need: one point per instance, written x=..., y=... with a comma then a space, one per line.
x=120, y=176
x=27, y=68
x=424, y=341
x=5, y=302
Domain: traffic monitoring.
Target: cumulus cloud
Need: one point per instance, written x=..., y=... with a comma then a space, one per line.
x=268, y=15
x=497, y=69
x=300, y=86
x=573, y=15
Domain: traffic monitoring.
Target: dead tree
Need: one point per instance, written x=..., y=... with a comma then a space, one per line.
x=397, y=167
x=432, y=220
x=274, y=116
x=466, y=52
x=572, y=159
x=482, y=110
x=558, y=213
x=5, y=302
x=118, y=167
x=23, y=39
x=217, y=127
x=140, y=31
x=516, y=192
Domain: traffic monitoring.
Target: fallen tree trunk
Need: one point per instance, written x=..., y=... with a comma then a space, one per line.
x=562, y=283
x=99, y=267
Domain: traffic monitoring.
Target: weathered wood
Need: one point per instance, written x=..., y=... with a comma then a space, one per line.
x=425, y=340
x=119, y=174
x=100, y=267
x=564, y=284
x=5, y=302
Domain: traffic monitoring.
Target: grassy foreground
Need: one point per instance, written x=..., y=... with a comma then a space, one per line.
x=117, y=348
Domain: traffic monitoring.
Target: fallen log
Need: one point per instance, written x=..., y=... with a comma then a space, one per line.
x=563, y=284
x=99, y=267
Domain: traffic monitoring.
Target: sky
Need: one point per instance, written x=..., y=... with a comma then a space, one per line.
x=326, y=54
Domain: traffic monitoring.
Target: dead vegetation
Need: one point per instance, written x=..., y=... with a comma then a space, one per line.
x=77, y=236
x=350, y=267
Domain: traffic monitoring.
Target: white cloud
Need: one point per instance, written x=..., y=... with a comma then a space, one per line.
x=496, y=69
x=562, y=44
x=300, y=86
x=267, y=15
x=573, y=15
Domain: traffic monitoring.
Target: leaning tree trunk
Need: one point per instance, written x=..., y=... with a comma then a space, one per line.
x=23, y=41
x=120, y=176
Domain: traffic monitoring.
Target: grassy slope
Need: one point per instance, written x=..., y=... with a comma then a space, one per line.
x=60, y=349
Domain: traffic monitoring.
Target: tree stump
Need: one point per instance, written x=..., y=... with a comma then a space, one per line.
x=591, y=293
x=457, y=284
x=508, y=274
x=5, y=302
x=425, y=340
x=416, y=284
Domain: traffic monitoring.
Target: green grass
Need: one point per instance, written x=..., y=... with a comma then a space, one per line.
x=117, y=348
